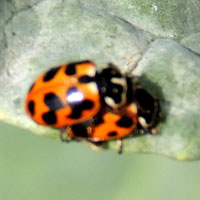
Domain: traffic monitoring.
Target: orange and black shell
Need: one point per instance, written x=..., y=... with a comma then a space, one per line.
x=64, y=95
x=107, y=125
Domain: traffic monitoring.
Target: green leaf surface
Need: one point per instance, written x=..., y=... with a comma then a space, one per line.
x=163, y=36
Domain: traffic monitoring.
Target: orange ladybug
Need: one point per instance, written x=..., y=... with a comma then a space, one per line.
x=73, y=93
x=92, y=105
x=106, y=125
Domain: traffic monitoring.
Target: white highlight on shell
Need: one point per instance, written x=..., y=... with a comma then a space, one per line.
x=75, y=97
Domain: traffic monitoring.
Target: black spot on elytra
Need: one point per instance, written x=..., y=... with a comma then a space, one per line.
x=71, y=69
x=76, y=114
x=86, y=79
x=79, y=108
x=112, y=134
x=80, y=130
x=125, y=122
x=31, y=107
x=49, y=117
x=50, y=74
x=77, y=105
x=53, y=101
x=97, y=120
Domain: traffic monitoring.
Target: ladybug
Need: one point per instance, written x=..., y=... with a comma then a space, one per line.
x=73, y=93
x=91, y=105
x=106, y=125
x=64, y=95
x=141, y=114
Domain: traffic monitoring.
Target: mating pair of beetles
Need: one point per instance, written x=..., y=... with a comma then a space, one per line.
x=91, y=105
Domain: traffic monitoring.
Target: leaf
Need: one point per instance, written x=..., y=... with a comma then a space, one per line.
x=175, y=74
x=37, y=35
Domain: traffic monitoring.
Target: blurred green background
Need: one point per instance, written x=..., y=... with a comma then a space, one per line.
x=35, y=167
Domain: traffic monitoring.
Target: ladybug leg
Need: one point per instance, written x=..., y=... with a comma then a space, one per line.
x=120, y=144
x=64, y=136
